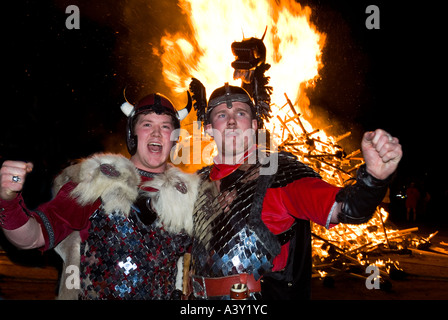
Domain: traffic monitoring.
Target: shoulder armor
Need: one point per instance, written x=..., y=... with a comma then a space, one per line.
x=291, y=169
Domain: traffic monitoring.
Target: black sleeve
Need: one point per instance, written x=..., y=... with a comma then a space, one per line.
x=360, y=200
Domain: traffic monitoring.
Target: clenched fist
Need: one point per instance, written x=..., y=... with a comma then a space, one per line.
x=381, y=152
x=12, y=178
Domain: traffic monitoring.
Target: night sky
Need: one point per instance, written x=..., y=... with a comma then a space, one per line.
x=63, y=88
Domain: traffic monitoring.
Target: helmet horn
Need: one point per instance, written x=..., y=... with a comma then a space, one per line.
x=183, y=113
x=127, y=108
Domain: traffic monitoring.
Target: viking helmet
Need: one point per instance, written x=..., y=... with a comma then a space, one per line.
x=154, y=102
x=228, y=94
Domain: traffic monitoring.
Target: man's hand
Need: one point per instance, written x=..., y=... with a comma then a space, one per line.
x=12, y=178
x=382, y=153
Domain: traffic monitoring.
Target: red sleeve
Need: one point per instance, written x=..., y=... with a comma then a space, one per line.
x=13, y=213
x=306, y=198
x=310, y=199
x=62, y=215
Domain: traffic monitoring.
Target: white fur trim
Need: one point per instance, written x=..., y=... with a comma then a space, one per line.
x=174, y=208
x=117, y=193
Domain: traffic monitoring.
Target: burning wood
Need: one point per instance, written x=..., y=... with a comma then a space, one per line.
x=292, y=46
x=345, y=249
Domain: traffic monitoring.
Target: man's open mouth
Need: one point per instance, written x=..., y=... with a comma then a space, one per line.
x=155, y=147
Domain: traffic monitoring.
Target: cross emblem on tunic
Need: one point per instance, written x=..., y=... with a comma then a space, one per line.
x=127, y=266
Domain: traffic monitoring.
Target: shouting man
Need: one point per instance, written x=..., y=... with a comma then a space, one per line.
x=101, y=219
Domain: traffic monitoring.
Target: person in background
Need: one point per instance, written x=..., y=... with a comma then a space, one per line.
x=412, y=197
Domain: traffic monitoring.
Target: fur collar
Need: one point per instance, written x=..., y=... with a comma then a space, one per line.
x=115, y=180
x=175, y=198
x=111, y=177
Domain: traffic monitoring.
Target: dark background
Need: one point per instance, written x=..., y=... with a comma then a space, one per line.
x=62, y=88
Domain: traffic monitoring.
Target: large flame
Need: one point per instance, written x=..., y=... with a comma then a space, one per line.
x=294, y=46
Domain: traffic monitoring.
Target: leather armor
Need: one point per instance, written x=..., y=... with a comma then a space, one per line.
x=229, y=236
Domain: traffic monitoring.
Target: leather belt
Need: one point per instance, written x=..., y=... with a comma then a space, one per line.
x=213, y=287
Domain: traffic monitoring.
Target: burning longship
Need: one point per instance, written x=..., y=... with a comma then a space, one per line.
x=290, y=52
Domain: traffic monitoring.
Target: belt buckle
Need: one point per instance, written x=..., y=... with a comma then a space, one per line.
x=239, y=291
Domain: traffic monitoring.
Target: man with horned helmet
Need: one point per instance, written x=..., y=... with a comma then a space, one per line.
x=252, y=234
x=100, y=219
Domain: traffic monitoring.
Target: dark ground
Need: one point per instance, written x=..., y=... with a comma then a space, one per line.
x=29, y=275
x=426, y=274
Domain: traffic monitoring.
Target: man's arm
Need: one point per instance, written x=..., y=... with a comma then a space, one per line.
x=356, y=203
x=19, y=228
x=28, y=236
